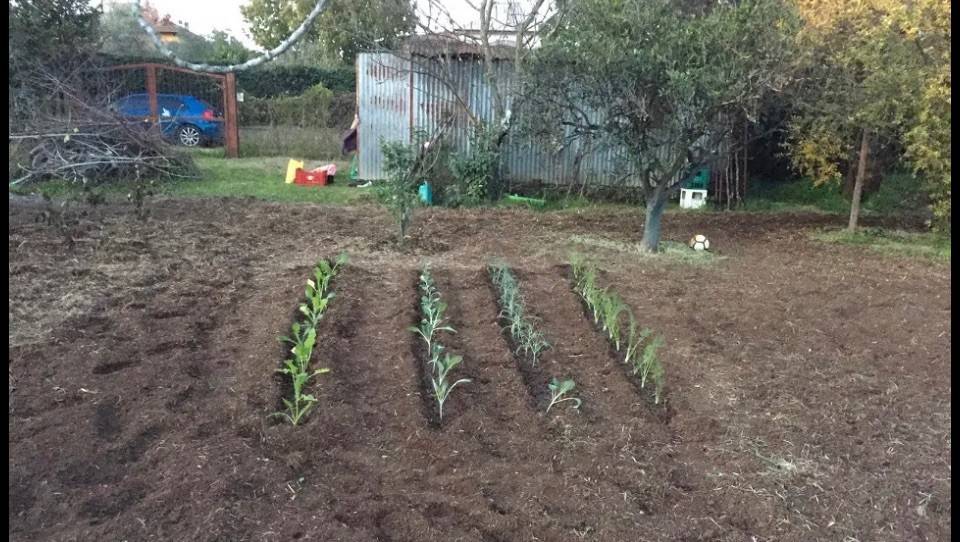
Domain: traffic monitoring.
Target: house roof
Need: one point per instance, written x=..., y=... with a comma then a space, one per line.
x=165, y=26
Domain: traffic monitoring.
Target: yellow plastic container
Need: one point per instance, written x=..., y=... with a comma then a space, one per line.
x=292, y=168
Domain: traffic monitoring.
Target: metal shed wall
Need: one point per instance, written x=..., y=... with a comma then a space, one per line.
x=383, y=95
x=399, y=96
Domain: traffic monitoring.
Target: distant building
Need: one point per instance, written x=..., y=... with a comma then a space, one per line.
x=167, y=30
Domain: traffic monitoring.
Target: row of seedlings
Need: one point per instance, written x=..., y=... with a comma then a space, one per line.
x=610, y=313
x=303, y=338
x=528, y=340
x=439, y=363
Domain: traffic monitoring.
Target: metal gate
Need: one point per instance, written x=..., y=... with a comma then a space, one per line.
x=154, y=83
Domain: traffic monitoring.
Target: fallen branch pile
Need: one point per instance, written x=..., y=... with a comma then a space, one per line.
x=75, y=136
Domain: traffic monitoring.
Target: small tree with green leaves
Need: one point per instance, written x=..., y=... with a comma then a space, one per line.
x=407, y=167
x=668, y=81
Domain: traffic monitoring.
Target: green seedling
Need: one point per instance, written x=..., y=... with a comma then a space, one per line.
x=649, y=359
x=302, y=403
x=527, y=339
x=324, y=270
x=317, y=290
x=298, y=334
x=533, y=343
x=303, y=338
x=558, y=390
x=302, y=351
x=656, y=373
x=606, y=307
x=633, y=344
x=442, y=388
x=433, y=309
x=297, y=369
x=612, y=309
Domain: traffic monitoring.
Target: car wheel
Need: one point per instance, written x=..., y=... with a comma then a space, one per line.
x=188, y=136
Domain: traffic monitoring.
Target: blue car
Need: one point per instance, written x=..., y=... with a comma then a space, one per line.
x=187, y=120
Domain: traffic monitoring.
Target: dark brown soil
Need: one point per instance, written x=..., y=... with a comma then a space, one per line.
x=808, y=385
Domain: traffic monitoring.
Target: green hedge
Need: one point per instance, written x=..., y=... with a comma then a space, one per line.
x=278, y=80
x=318, y=107
x=312, y=108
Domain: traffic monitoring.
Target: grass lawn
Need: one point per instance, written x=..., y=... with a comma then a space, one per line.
x=258, y=177
x=893, y=242
x=261, y=178
x=899, y=193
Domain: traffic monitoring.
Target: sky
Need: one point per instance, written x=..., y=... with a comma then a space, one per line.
x=205, y=16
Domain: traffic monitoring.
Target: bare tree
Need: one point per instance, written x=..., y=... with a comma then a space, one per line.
x=505, y=31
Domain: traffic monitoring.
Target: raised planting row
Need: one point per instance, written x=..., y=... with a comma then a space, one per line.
x=432, y=321
x=303, y=338
x=610, y=313
x=528, y=341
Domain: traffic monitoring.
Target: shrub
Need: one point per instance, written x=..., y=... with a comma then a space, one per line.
x=407, y=166
x=399, y=190
x=310, y=109
x=475, y=170
x=290, y=141
x=280, y=80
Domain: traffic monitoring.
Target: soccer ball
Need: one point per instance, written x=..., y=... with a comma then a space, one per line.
x=699, y=242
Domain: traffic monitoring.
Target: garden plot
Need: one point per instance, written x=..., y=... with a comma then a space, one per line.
x=794, y=375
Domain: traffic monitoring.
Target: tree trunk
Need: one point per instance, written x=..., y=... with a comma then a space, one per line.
x=858, y=184
x=651, y=221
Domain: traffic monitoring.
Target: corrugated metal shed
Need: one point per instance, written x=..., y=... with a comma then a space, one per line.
x=383, y=95
x=398, y=96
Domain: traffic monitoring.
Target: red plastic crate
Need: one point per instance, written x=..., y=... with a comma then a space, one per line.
x=310, y=178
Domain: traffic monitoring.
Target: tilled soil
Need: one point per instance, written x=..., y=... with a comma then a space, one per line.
x=807, y=398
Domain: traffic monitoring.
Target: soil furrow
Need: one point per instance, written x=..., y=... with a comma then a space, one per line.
x=497, y=393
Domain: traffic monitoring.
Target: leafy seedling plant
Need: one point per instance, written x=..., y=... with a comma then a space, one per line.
x=607, y=308
x=432, y=308
x=528, y=339
x=649, y=366
x=613, y=307
x=432, y=321
x=298, y=370
x=317, y=290
x=441, y=386
x=303, y=338
x=558, y=390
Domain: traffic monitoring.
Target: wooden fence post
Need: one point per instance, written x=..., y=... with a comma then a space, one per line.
x=231, y=128
x=152, y=93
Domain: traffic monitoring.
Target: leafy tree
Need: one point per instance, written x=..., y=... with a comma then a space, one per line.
x=225, y=49
x=667, y=81
x=122, y=37
x=47, y=39
x=342, y=31
x=866, y=64
x=407, y=166
x=928, y=141
x=51, y=32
